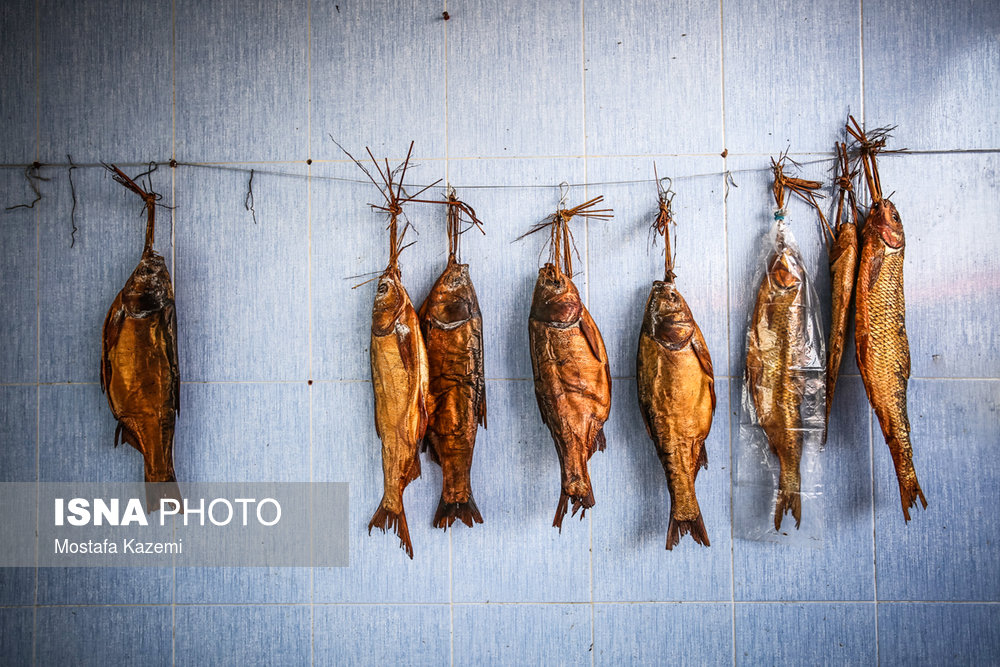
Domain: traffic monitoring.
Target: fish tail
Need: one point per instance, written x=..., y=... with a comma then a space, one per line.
x=466, y=512
x=789, y=499
x=160, y=490
x=581, y=503
x=678, y=529
x=909, y=487
x=385, y=518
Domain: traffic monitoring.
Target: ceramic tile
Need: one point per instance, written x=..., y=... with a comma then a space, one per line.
x=346, y=449
x=633, y=511
x=242, y=287
x=805, y=633
x=963, y=634
x=104, y=81
x=792, y=74
x=80, y=635
x=17, y=105
x=378, y=77
x=18, y=281
x=16, y=629
x=518, y=90
x=930, y=68
x=359, y=635
x=242, y=635
x=654, y=78
x=263, y=47
x=947, y=551
x=522, y=634
x=677, y=634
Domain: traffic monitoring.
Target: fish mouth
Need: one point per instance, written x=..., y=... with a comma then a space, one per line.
x=887, y=222
x=785, y=270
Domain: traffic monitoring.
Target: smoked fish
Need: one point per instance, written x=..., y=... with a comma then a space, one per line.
x=569, y=364
x=676, y=394
x=139, y=371
x=843, y=251
x=883, y=351
x=452, y=327
x=776, y=350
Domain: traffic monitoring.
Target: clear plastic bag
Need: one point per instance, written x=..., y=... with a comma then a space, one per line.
x=783, y=400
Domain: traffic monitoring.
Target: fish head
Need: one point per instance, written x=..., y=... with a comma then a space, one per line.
x=390, y=298
x=885, y=220
x=148, y=288
x=452, y=300
x=556, y=298
x=668, y=318
x=785, y=269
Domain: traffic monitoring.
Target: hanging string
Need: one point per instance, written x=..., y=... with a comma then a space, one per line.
x=72, y=192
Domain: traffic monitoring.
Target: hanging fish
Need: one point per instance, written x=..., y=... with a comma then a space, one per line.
x=676, y=391
x=139, y=360
x=882, y=348
x=569, y=363
x=843, y=251
x=399, y=368
x=453, y=332
x=780, y=351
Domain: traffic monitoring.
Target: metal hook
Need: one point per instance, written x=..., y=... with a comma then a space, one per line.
x=449, y=191
x=665, y=191
x=563, y=194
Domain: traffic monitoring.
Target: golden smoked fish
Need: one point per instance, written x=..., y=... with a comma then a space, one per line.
x=676, y=395
x=139, y=361
x=843, y=268
x=883, y=351
x=776, y=351
x=453, y=332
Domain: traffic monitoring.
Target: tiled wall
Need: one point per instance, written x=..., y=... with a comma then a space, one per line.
x=503, y=94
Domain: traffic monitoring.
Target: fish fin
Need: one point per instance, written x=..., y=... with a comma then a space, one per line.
x=908, y=495
x=112, y=329
x=170, y=338
x=702, y=458
x=876, y=269
x=404, y=341
x=414, y=471
x=118, y=432
x=705, y=360
x=788, y=501
x=593, y=336
x=600, y=442
x=580, y=504
x=466, y=512
x=678, y=529
x=427, y=445
x=384, y=518
x=541, y=407
x=162, y=490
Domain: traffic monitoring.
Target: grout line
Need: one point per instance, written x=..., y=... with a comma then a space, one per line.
x=309, y=300
x=861, y=58
x=525, y=603
x=173, y=270
x=38, y=329
x=447, y=180
x=729, y=346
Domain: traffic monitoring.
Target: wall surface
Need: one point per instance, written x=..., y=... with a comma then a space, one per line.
x=523, y=95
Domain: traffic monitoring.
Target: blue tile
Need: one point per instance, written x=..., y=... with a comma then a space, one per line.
x=516, y=555
x=381, y=635
x=805, y=634
x=750, y=215
x=78, y=284
x=676, y=634
x=350, y=246
x=242, y=288
x=18, y=420
x=76, y=438
x=842, y=568
x=938, y=634
x=654, y=78
x=633, y=511
x=242, y=81
x=378, y=77
x=952, y=260
x=624, y=261
x=503, y=268
x=17, y=105
x=347, y=450
x=930, y=68
x=522, y=634
x=242, y=585
x=242, y=635
x=104, y=81
x=236, y=432
x=516, y=91
x=947, y=552
x=103, y=636
x=16, y=627
x=792, y=73
x=18, y=281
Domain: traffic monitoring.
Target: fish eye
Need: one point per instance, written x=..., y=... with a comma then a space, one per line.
x=382, y=288
x=895, y=216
